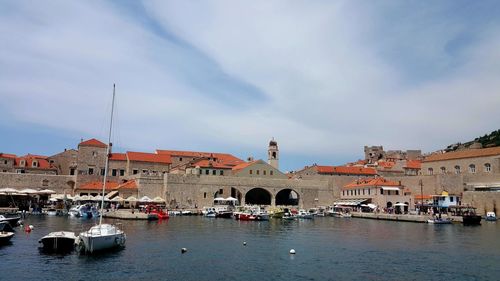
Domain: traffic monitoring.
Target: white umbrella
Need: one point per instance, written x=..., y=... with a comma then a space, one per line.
x=231, y=199
x=373, y=206
x=219, y=199
x=118, y=199
x=77, y=198
x=84, y=198
x=145, y=199
x=9, y=190
x=400, y=204
x=46, y=191
x=131, y=199
x=158, y=200
x=29, y=191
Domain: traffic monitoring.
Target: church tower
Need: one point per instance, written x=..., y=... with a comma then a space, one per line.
x=273, y=154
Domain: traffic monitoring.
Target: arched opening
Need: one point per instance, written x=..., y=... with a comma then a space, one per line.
x=258, y=196
x=389, y=204
x=406, y=207
x=235, y=193
x=287, y=197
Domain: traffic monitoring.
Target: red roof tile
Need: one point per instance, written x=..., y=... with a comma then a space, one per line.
x=110, y=185
x=413, y=164
x=211, y=164
x=386, y=164
x=118, y=157
x=224, y=158
x=345, y=170
x=467, y=153
x=43, y=164
x=93, y=142
x=378, y=181
x=6, y=155
x=149, y=157
x=242, y=165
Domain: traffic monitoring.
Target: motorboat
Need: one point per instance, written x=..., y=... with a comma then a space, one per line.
x=6, y=232
x=11, y=220
x=60, y=241
x=491, y=216
x=100, y=237
x=156, y=210
x=304, y=215
x=51, y=212
x=103, y=236
x=84, y=211
x=439, y=221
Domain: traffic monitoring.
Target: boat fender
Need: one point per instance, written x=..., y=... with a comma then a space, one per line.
x=27, y=229
x=292, y=252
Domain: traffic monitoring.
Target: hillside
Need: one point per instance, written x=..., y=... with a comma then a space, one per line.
x=489, y=140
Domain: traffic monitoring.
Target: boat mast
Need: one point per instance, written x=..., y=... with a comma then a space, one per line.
x=107, y=155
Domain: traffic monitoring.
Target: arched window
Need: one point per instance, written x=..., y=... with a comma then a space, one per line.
x=443, y=170
x=472, y=168
x=487, y=167
x=457, y=169
x=34, y=164
x=430, y=171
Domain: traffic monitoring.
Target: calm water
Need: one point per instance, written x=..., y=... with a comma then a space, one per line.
x=327, y=249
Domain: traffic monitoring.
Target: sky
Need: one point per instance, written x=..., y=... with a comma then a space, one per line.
x=323, y=78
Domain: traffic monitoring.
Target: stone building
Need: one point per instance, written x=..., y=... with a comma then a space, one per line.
x=7, y=162
x=257, y=169
x=273, y=154
x=379, y=191
x=34, y=164
x=65, y=162
x=468, y=161
x=91, y=157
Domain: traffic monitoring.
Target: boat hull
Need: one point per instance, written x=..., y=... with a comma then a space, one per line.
x=5, y=237
x=58, y=242
x=471, y=220
x=12, y=221
x=93, y=244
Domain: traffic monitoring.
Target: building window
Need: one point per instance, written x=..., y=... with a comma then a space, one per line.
x=472, y=168
x=91, y=171
x=5, y=162
x=45, y=183
x=72, y=171
x=22, y=163
x=122, y=172
x=207, y=172
x=430, y=171
x=94, y=153
x=443, y=170
x=451, y=198
x=264, y=172
x=457, y=169
x=214, y=172
x=201, y=172
x=34, y=164
x=221, y=191
x=271, y=173
x=251, y=172
x=343, y=194
x=221, y=172
x=180, y=159
x=204, y=195
x=381, y=191
x=135, y=171
x=102, y=172
x=258, y=172
x=487, y=167
x=368, y=191
x=113, y=172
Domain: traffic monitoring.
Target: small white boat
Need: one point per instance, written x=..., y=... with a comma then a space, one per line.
x=6, y=232
x=439, y=221
x=304, y=215
x=60, y=241
x=100, y=237
x=51, y=212
x=11, y=220
x=491, y=216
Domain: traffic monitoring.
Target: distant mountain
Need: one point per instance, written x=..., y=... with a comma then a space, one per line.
x=488, y=140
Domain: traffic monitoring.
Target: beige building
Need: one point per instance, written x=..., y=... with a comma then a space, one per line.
x=257, y=169
x=379, y=191
x=467, y=161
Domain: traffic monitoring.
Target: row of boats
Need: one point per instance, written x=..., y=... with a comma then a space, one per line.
x=259, y=214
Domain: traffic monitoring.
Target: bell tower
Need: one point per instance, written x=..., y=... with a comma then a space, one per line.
x=273, y=154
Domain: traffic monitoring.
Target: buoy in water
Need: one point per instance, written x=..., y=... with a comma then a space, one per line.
x=292, y=252
x=31, y=226
x=27, y=229
x=183, y=250
x=244, y=243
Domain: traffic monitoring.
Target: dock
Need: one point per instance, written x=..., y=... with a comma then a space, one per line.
x=400, y=217
x=128, y=215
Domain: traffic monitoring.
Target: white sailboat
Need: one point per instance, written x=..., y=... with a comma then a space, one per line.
x=103, y=236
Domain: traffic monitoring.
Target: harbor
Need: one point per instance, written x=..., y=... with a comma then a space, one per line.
x=326, y=248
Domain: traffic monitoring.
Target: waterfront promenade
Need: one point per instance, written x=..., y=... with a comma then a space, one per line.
x=401, y=217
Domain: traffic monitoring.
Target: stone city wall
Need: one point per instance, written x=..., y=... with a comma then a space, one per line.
x=484, y=201
x=59, y=184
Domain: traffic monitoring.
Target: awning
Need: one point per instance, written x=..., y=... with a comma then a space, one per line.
x=350, y=202
x=390, y=188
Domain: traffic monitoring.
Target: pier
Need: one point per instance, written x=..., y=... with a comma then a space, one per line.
x=400, y=217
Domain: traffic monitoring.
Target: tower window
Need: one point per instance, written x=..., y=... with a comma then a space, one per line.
x=487, y=167
x=274, y=154
x=271, y=173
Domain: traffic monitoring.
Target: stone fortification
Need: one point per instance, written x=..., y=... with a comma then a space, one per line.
x=59, y=184
x=484, y=201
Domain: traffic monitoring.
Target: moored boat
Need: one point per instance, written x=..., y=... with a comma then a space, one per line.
x=60, y=241
x=101, y=237
x=439, y=221
x=491, y=216
x=11, y=220
x=6, y=232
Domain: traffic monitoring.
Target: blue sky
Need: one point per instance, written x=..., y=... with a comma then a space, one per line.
x=324, y=78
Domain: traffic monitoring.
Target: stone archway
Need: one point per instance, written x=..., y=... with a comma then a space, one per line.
x=235, y=193
x=389, y=204
x=258, y=196
x=287, y=197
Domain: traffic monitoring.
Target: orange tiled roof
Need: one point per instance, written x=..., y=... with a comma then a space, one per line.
x=149, y=157
x=6, y=155
x=378, y=181
x=211, y=164
x=413, y=164
x=93, y=142
x=468, y=153
x=118, y=157
x=243, y=165
x=131, y=184
x=110, y=185
x=386, y=164
x=43, y=164
x=420, y=197
x=224, y=158
x=345, y=170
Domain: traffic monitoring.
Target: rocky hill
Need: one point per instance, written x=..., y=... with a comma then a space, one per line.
x=489, y=140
